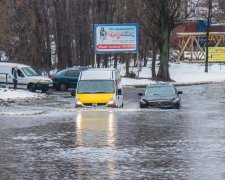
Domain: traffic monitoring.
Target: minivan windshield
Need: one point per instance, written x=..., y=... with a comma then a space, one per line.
x=160, y=90
x=29, y=71
x=96, y=86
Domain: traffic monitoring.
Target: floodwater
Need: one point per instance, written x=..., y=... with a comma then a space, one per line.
x=52, y=140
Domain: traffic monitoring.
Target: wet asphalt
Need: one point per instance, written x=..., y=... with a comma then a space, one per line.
x=49, y=139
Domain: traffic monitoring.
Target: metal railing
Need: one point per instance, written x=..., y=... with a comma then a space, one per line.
x=6, y=79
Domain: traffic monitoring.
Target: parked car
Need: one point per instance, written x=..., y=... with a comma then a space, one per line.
x=160, y=95
x=27, y=77
x=67, y=78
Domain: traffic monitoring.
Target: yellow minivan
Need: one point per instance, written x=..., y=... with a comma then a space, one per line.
x=99, y=87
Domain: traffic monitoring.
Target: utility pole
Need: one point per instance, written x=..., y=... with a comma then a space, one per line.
x=207, y=34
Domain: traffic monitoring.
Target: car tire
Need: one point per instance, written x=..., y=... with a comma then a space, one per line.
x=56, y=86
x=44, y=90
x=63, y=87
x=73, y=93
x=177, y=106
x=32, y=87
x=142, y=106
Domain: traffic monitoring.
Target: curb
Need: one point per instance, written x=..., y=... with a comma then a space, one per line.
x=176, y=84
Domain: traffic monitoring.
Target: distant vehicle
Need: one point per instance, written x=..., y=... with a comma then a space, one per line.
x=99, y=87
x=27, y=77
x=160, y=95
x=67, y=78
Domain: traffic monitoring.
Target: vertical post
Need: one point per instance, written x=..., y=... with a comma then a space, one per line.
x=6, y=83
x=192, y=47
x=95, y=59
x=138, y=64
x=207, y=35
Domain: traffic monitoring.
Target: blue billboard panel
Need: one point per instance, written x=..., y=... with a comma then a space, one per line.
x=110, y=38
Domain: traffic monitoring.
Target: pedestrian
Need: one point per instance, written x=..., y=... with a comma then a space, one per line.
x=15, y=77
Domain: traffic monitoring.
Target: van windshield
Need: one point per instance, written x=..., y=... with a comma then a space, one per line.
x=29, y=71
x=96, y=86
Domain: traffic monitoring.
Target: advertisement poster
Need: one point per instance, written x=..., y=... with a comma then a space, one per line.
x=216, y=54
x=110, y=38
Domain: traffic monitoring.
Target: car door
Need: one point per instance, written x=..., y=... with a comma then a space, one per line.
x=22, y=81
x=72, y=78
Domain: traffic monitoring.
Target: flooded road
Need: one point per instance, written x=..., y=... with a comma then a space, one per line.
x=52, y=140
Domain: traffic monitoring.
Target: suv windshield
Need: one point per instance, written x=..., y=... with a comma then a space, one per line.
x=29, y=71
x=160, y=90
x=96, y=86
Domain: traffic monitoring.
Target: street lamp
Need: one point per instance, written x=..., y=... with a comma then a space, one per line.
x=207, y=34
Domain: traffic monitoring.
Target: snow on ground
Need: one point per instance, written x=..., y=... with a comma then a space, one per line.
x=181, y=73
x=195, y=73
x=10, y=94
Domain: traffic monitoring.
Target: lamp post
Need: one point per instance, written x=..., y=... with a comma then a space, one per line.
x=207, y=34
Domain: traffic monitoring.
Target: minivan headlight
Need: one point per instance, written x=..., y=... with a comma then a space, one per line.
x=78, y=103
x=111, y=103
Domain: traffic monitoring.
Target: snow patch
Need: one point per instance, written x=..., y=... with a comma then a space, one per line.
x=14, y=95
x=182, y=73
x=21, y=113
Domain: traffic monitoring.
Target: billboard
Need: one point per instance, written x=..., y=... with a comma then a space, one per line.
x=216, y=54
x=111, y=38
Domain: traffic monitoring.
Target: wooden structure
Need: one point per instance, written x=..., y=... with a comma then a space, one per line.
x=195, y=43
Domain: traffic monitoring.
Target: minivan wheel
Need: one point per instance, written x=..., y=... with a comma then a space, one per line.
x=32, y=87
x=63, y=87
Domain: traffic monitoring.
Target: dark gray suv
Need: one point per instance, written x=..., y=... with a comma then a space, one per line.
x=160, y=95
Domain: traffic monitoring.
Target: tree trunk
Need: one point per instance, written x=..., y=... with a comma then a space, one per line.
x=154, y=55
x=163, y=73
x=115, y=61
x=48, y=62
x=127, y=66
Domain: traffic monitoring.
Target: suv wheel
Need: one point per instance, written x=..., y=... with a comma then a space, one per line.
x=143, y=106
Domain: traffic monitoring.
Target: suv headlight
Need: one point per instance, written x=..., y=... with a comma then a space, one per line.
x=175, y=100
x=78, y=103
x=143, y=102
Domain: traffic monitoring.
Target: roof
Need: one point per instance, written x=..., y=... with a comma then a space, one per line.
x=102, y=69
x=77, y=67
x=13, y=64
x=160, y=84
x=99, y=74
x=200, y=33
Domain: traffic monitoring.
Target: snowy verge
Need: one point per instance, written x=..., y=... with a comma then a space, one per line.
x=21, y=113
x=182, y=74
x=10, y=95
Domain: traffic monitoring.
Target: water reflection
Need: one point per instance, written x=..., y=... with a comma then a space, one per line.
x=96, y=130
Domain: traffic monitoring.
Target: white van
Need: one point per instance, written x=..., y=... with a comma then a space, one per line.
x=99, y=87
x=27, y=77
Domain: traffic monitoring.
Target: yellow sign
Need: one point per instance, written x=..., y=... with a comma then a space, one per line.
x=216, y=54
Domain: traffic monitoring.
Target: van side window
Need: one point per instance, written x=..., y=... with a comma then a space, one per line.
x=20, y=74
